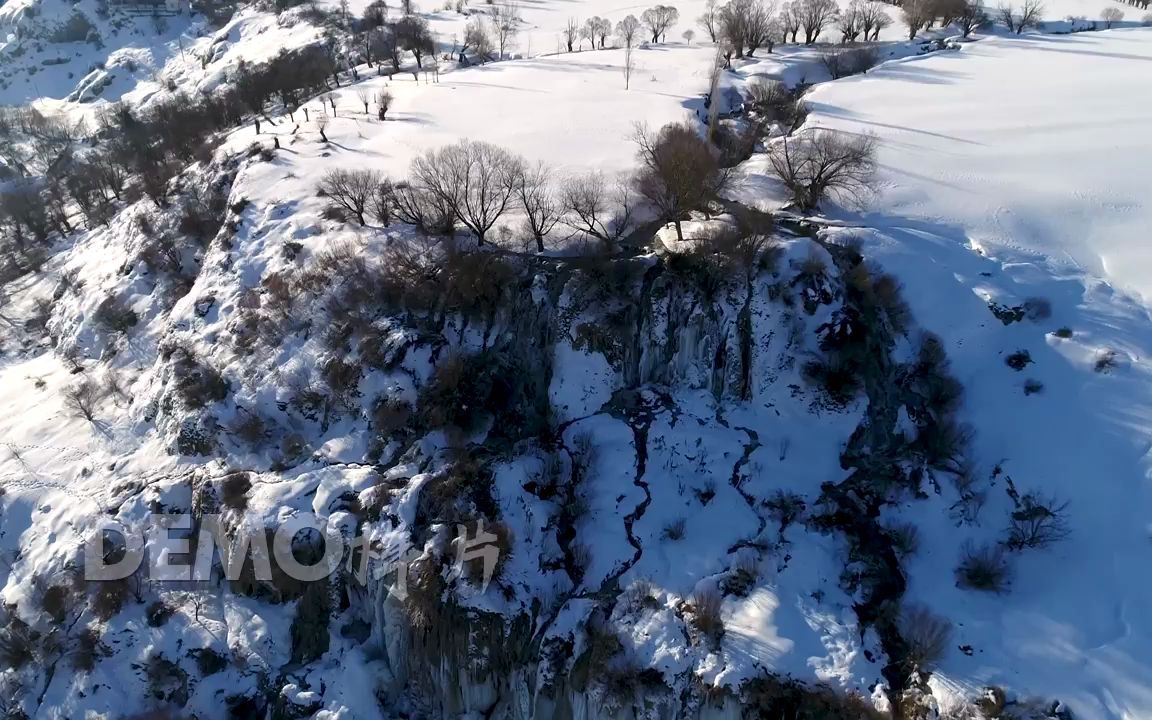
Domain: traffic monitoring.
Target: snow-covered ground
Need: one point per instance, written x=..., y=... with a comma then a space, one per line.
x=1016, y=169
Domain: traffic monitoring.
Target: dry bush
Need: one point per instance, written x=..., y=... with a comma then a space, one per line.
x=927, y=636
x=772, y=102
x=706, y=611
x=842, y=63
x=459, y=493
x=775, y=696
x=674, y=530
x=56, y=601
x=198, y=384
x=249, y=427
x=905, y=538
x=112, y=315
x=202, y=212
x=785, y=507
x=1038, y=521
x=839, y=379
x=816, y=164
x=504, y=541
x=425, y=593
x=390, y=414
x=19, y=644
x=85, y=650
x=1106, y=360
x=984, y=568
x=108, y=597
x=234, y=489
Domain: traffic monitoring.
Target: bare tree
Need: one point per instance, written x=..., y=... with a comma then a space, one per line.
x=679, y=171
x=538, y=200
x=603, y=28
x=477, y=180
x=321, y=123
x=1031, y=15
x=571, y=33
x=351, y=190
x=82, y=398
x=477, y=40
x=851, y=21
x=815, y=16
x=588, y=32
x=383, y=103
x=626, y=30
x=505, y=25
x=1111, y=16
x=658, y=19
x=747, y=23
x=917, y=14
x=629, y=65
x=816, y=163
x=365, y=97
x=709, y=20
x=873, y=19
x=971, y=15
x=790, y=20
x=593, y=207
x=381, y=203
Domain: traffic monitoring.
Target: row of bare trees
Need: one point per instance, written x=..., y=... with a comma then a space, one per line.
x=655, y=21
x=474, y=184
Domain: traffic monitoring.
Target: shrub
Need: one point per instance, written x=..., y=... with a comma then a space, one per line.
x=86, y=650
x=114, y=316
x=742, y=576
x=1105, y=361
x=425, y=593
x=202, y=212
x=1063, y=332
x=1037, y=522
x=927, y=636
x=18, y=644
x=905, y=538
x=390, y=414
x=1032, y=387
x=158, y=612
x=785, y=507
x=249, y=427
x=774, y=696
x=198, y=384
x=1018, y=360
x=108, y=597
x=984, y=568
x=1037, y=308
x=706, y=610
x=234, y=489
x=674, y=530
x=838, y=378
x=55, y=601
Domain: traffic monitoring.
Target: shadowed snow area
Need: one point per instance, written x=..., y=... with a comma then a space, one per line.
x=1018, y=169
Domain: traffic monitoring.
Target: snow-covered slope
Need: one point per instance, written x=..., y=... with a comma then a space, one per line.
x=684, y=512
x=1018, y=169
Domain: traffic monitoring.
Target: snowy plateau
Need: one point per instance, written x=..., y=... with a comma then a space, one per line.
x=782, y=360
